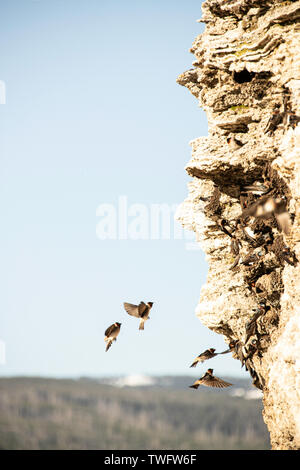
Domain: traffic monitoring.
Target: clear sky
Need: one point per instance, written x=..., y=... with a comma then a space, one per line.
x=93, y=112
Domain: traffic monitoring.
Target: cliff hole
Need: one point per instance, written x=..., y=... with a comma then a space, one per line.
x=243, y=77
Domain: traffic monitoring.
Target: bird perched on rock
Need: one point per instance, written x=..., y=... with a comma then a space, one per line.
x=256, y=189
x=292, y=119
x=243, y=230
x=213, y=208
x=252, y=258
x=235, y=246
x=209, y=380
x=236, y=261
x=222, y=225
x=237, y=351
x=250, y=326
x=231, y=346
x=111, y=334
x=283, y=252
x=274, y=121
x=234, y=143
x=139, y=311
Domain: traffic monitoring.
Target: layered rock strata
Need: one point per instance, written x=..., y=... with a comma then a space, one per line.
x=246, y=76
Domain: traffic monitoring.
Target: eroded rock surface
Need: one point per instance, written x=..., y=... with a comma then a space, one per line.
x=246, y=77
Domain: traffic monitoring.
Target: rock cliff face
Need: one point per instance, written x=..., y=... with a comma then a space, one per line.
x=244, y=197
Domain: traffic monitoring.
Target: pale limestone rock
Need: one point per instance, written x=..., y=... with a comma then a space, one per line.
x=247, y=60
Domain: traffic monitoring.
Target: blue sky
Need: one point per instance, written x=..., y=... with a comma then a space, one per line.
x=93, y=112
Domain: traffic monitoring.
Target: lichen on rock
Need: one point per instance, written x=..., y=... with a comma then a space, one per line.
x=246, y=77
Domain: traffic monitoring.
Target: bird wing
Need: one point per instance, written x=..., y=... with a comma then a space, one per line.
x=142, y=308
x=201, y=358
x=206, y=355
x=211, y=381
x=109, y=330
x=219, y=383
x=207, y=381
x=132, y=309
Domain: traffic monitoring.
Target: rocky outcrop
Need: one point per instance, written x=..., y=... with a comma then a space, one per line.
x=246, y=76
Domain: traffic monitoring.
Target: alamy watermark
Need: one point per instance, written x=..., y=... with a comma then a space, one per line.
x=2, y=92
x=2, y=352
x=124, y=221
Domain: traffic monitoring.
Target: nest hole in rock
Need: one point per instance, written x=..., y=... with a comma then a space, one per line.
x=244, y=76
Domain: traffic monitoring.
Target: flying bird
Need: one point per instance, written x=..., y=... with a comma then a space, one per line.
x=111, y=334
x=207, y=354
x=140, y=311
x=237, y=351
x=209, y=380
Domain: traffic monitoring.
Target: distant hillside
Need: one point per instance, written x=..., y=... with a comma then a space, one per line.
x=242, y=387
x=38, y=413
